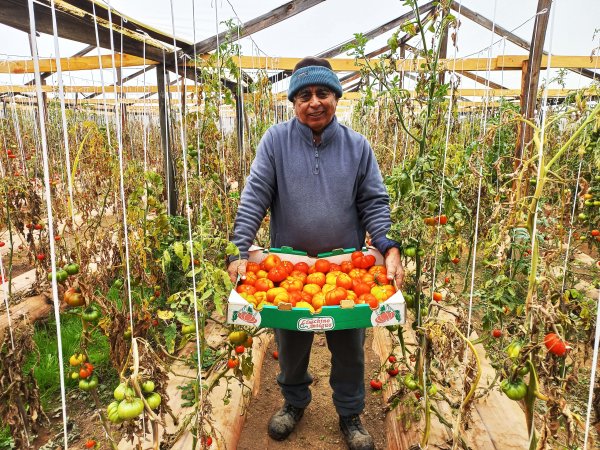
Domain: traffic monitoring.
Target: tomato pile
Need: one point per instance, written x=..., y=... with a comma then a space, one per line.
x=276, y=281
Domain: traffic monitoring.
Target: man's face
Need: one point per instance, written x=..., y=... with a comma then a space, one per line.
x=315, y=107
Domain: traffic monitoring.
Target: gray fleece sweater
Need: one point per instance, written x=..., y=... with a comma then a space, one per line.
x=321, y=197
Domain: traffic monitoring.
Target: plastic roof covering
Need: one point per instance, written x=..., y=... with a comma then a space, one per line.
x=571, y=31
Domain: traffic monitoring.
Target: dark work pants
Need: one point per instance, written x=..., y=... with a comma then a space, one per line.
x=347, y=368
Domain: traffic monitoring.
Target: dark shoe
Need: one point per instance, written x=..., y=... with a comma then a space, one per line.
x=283, y=422
x=355, y=434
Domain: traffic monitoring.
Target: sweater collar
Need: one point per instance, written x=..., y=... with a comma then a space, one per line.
x=328, y=133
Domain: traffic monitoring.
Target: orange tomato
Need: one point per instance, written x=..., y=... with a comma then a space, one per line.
x=368, y=298
x=437, y=296
x=352, y=296
x=250, y=278
x=271, y=261
x=294, y=297
x=306, y=297
x=311, y=289
x=302, y=267
x=262, y=273
x=335, y=296
x=316, y=278
x=298, y=274
x=246, y=288
x=357, y=273
x=291, y=284
x=318, y=301
x=368, y=279
x=343, y=280
x=252, y=267
x=322, y=265
x=263, y=284
x=374, y=270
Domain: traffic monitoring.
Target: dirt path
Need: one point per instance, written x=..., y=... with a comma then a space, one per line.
x=318, y=428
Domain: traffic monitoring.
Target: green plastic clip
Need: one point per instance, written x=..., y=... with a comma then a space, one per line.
x=287, y=251
x=335, y=252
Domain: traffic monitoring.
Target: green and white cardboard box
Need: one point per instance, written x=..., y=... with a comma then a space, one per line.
x=240, y=312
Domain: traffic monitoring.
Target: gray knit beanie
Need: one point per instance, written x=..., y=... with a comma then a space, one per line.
x=313, y=71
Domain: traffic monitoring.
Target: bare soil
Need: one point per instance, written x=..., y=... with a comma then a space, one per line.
x=319, y=428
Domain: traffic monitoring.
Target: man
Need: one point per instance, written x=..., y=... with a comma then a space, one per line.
x=324, y=189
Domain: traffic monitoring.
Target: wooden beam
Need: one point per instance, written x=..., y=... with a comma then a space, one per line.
x=339, y=48
x=503, y=32
x=531, y=77
x=465, y=92
x=482, y=80
x=78, y=25
x=258, y=23
x=72, y=63
x=505, y=62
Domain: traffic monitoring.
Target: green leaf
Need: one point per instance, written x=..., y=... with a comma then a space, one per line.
x=170, y=334
x=232, y=249
x=164, y=315
x=178, y=249
x=185, y=262
x=166, y=256
x=247, y=367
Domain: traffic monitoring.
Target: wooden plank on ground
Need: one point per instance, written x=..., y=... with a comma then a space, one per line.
x=30, y=309
x=496, y=423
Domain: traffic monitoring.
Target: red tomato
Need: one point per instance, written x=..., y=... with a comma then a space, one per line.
x=239, y=349
x=90, y=443
x=83, y=373
x=346, y=266
x=263, y=284
x=497, y=333
x=232, y=363
x=368, y=261
x=322, y=265
x=252, y=267
x=376, y=385
x=437, y=296
x=275, y=354
x=335, y=268
x=442, y=220
x=455, y=260
x=288, y=266
x=250, y=278
x=360, y=287
x=302, y=267
x=298, y=274
x=277, y=274
x=392, y=359
x=555, y=344
x=357, y=254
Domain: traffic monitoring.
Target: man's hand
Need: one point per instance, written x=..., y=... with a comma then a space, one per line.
x=235, y=268
x=393, y=265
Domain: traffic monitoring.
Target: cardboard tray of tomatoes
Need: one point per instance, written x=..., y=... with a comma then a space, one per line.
x=345, y=316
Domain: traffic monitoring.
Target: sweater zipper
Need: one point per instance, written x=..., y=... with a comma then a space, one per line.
x=316, y=167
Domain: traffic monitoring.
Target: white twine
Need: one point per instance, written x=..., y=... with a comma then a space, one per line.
x=48, y=194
